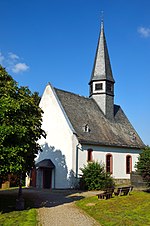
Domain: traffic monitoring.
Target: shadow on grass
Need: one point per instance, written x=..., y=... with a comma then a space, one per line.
x=147, y=190
x=35, y=198
x=8, y=201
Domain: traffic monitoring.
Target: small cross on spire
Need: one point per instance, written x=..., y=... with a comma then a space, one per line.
x=102, y=19
x=102, y=16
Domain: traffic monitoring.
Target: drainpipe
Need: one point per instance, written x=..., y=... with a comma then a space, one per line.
x=77, y=158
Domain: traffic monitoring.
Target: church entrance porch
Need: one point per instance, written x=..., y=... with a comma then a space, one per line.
x=45, y=174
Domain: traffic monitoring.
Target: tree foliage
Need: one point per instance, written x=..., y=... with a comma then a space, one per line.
x=20, y=126
x=95, y=177
x=143, y=165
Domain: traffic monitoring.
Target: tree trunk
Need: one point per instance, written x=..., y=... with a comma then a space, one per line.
x=20, y=200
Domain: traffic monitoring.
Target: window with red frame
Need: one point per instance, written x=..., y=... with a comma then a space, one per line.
x=109, y=164
x=89, y=155
x=128, y=164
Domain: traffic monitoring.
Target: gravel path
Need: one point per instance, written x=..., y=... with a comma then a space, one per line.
x=64, y=215
x=58, y=209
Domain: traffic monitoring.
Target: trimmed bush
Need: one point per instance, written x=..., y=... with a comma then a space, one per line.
x=95, y=177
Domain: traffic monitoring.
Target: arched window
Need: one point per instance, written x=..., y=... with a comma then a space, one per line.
x=89, y=155
x=128, y=164
x=109, y=163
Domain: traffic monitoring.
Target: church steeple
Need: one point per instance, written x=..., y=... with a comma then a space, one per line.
x=102, y=67
x=102, y=81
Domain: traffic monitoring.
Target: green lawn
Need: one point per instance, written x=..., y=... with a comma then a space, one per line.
x=10, y=217
x=19, y=218
x=120, y=210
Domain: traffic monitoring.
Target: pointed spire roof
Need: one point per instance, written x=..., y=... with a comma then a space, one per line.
x=102, y=67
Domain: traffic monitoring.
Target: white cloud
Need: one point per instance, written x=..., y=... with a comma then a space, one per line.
x=2, y=58
x=13, y=56
x=20, y=67
x=144, y=32
x=12, y=62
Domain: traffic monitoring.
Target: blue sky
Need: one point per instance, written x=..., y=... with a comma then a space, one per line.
x=55, y=41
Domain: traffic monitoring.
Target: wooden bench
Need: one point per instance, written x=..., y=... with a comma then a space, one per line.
x=123, y=190
x=107, y=194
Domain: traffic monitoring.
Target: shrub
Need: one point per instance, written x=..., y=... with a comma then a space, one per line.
x=143, y=165
x=95, y=177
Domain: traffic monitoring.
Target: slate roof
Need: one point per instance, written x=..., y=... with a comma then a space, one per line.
x=102, y=67
x=83, y=111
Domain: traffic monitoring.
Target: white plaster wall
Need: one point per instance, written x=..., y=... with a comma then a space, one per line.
x=101, y=101
x=58, y=144
x=119, y=159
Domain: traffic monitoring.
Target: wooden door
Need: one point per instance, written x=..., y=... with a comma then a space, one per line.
x=47, y=178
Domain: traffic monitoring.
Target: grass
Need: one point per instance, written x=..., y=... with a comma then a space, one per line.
x=19, y=218
x=133, y=210
x=10, y=217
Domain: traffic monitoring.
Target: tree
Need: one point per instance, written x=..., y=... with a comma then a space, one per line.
x=20, y=126
x=143, y=165
x=95, y=177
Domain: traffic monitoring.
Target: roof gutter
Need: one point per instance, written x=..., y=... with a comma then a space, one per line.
x=109, y=145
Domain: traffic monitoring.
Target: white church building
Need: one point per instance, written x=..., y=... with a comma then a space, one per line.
x=82, y=129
